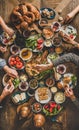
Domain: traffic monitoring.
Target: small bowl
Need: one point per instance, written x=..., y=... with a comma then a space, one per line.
x=47, y=33
x=52, y=56
x=57, y=41
x=59, y=50
x=50, y=82
x=26, y=33
x=55, y=26
x=53, y=89
x=26, y=54
x=30, y=92
x=47, y=13
x=36, y=107
x=15, y=49
x=5, y=79
x=43, y=22
x=23, y=77
x=16, y=62
x=33, y=84
x=23, y=86
x=48, y=43
x=61, y=69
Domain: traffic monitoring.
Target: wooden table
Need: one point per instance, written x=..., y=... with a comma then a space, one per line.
x=69, y=116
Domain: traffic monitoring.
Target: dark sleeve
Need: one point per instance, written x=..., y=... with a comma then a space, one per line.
x=70, y=57
x=76, y=102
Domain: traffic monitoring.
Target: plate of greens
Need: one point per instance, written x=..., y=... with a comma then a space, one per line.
x=35, y=42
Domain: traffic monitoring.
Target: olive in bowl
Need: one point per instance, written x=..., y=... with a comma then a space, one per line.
x=23, y=86
x=33, y=84
x=57, y=41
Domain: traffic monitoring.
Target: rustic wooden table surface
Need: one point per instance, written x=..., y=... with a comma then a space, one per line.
x=69, y=116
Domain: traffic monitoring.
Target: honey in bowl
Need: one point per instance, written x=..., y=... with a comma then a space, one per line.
x=26, y=54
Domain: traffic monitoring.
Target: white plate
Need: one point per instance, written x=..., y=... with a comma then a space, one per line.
x=49, y=95
x=69, y=30
x=51, y=57
x=71, y=84
x=6, y=39
x=29, y=57
x=59, y=97
x=48, y=43
x=62, y=66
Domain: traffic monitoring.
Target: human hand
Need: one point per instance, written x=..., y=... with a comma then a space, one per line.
x=66, y=37
x=69, y=93
x=13, y=73
x=10, y=31
x=68, y=18
x=43, y=67
x=8, y=90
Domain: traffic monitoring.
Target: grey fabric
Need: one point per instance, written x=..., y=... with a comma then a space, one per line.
x=70, y=57
x=2, y=63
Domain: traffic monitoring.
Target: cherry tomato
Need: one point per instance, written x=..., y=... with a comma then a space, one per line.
x=17, y=58
x=71, y=36
x=12, y=59
x=40, y=41
x=39, y=47
x=15, y=62
x=11, y=63
x=19, y=65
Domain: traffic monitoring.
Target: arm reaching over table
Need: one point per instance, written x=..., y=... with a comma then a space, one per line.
x=7, y=29
x=71, y=15
x=69, y=40
x=7, y=91
x=11, y=72
x=69, y=93
x=70, y=57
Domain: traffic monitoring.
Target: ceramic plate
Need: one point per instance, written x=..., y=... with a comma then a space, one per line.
x=69, y=79
x=59, y=97
x=19, y=97
x=6, y=39
x=47, y=13
x=70, y=31
x=43, y=95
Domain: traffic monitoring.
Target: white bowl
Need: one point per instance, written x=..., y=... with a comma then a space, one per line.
x=23, y=86
x=27, y=54
x=61, y=69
